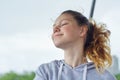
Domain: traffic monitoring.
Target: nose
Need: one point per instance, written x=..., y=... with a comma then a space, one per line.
x=56, y=28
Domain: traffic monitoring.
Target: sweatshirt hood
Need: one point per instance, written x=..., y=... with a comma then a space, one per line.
x=83, y=68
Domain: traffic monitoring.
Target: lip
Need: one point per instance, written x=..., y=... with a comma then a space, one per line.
x=58, y=34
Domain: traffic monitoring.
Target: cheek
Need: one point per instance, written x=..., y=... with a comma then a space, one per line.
x=69, y=30
x=72, y=33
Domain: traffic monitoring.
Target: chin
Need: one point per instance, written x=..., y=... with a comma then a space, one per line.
x=58, y=45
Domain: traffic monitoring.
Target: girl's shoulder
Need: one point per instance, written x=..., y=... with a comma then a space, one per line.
x=50, y=65
x=108, y=75
x=105, y=75
x=53, y=63
x=45, y=69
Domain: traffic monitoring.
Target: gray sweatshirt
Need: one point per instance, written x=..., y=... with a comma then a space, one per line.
x=59, y=70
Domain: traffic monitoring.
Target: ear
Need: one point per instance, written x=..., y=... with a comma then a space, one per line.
x=83, y=31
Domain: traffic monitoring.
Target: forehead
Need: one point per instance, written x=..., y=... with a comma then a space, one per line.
x=64, y=17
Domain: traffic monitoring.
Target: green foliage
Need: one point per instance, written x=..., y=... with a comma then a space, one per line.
x=15, y=76
x=117, y=76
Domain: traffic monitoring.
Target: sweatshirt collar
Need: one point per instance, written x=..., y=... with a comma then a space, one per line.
x=83, y=67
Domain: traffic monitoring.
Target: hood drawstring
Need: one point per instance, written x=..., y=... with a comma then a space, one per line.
x=84, y=72
x=60, y=72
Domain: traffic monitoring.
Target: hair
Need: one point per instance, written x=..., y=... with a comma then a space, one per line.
x=97, y=41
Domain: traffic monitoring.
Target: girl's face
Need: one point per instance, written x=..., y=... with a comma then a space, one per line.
x=66, y=31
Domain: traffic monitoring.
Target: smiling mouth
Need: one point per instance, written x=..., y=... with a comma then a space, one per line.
x=58, y=34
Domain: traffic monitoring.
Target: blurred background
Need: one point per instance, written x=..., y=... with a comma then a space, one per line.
x=26, y=28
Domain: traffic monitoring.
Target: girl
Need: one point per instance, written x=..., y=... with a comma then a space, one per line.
x=81, y=40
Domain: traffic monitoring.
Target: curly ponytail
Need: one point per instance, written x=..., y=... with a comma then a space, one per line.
x=97, y=46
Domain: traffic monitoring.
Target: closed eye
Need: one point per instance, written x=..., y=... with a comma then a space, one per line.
x=63, y=24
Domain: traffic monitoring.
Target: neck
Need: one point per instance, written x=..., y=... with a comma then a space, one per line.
x=74, y=56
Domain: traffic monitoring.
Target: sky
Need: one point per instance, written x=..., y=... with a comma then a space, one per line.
x=26, y=28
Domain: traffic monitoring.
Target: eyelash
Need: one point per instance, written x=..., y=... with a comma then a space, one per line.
x=61, y=25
